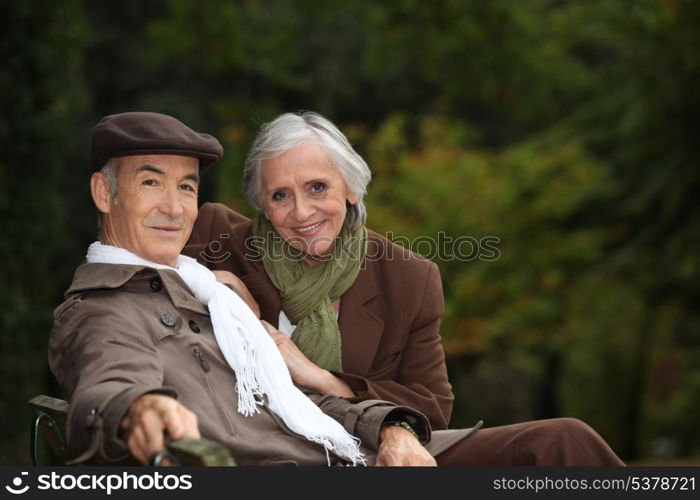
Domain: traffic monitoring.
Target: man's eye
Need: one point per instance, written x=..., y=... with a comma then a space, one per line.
x=318, y=187
x=188, y=187
x=150, y=182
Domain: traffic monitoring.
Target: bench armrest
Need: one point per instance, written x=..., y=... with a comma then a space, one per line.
x=51, y=414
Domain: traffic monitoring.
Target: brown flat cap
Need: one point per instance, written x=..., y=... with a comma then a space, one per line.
x=141, y=133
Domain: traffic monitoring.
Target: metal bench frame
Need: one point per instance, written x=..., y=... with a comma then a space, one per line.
x=49, y=420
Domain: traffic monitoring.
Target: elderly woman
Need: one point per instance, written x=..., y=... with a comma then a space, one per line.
x=358, y=316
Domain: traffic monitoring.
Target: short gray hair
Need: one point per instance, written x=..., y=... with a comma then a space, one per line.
x=111, y=173
x=288, y=131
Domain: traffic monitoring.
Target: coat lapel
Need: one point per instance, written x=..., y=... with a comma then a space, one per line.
x=360, y=328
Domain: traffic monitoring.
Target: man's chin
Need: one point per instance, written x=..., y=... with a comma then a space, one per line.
x=166, y=257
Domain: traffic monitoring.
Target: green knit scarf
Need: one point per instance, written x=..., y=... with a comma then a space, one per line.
x=307, y=292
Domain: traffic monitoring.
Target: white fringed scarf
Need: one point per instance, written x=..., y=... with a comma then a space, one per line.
x=251, y=353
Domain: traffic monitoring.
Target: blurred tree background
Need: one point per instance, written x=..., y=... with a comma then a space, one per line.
x=566, y=131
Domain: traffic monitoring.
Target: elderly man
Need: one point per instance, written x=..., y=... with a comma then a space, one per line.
x=148, y=343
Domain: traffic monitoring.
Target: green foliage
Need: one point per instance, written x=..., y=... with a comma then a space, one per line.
x=40, y=91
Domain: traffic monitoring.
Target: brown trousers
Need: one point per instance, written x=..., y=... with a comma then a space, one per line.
x=555, y=442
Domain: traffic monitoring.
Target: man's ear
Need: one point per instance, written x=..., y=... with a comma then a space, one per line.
x=101, y=192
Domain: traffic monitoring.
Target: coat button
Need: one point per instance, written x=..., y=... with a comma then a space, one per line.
x=155, y=284
x=168, y=319
x=194, y=326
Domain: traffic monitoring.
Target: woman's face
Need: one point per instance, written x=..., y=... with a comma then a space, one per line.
x=304, y=196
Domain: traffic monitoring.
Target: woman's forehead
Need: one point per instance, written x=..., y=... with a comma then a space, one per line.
x=302, y=163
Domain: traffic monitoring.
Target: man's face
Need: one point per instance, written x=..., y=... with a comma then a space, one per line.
x=155, y=207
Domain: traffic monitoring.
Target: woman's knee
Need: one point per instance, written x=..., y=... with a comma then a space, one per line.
x=574, y=427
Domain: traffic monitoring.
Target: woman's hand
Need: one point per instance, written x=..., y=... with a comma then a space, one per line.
x=303, y=371
x=228, y=278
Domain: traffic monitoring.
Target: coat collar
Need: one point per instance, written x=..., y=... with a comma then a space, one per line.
x=94, y=276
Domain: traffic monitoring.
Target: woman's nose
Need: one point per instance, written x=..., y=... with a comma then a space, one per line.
x=303, y=209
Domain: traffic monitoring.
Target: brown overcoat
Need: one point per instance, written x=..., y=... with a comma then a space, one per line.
x=124, y=331
x=389, y=318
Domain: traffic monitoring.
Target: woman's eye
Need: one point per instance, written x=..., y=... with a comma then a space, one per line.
x=279, y=195
x=318, y=187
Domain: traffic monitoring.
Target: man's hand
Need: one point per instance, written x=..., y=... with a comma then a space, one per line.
x=228, y=278
x=304, y=372
x=149, y=417
x=399, y=447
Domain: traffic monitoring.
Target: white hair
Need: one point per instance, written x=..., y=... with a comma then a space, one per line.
x=111, y=173
x=288, y=131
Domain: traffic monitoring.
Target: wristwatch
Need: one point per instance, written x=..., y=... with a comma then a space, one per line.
x=401, y=421
x=406, y=426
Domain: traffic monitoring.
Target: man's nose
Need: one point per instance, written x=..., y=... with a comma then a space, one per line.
x=172, y=204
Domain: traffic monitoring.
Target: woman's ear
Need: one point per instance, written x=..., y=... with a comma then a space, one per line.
x=101, y=192
x=353, y=199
